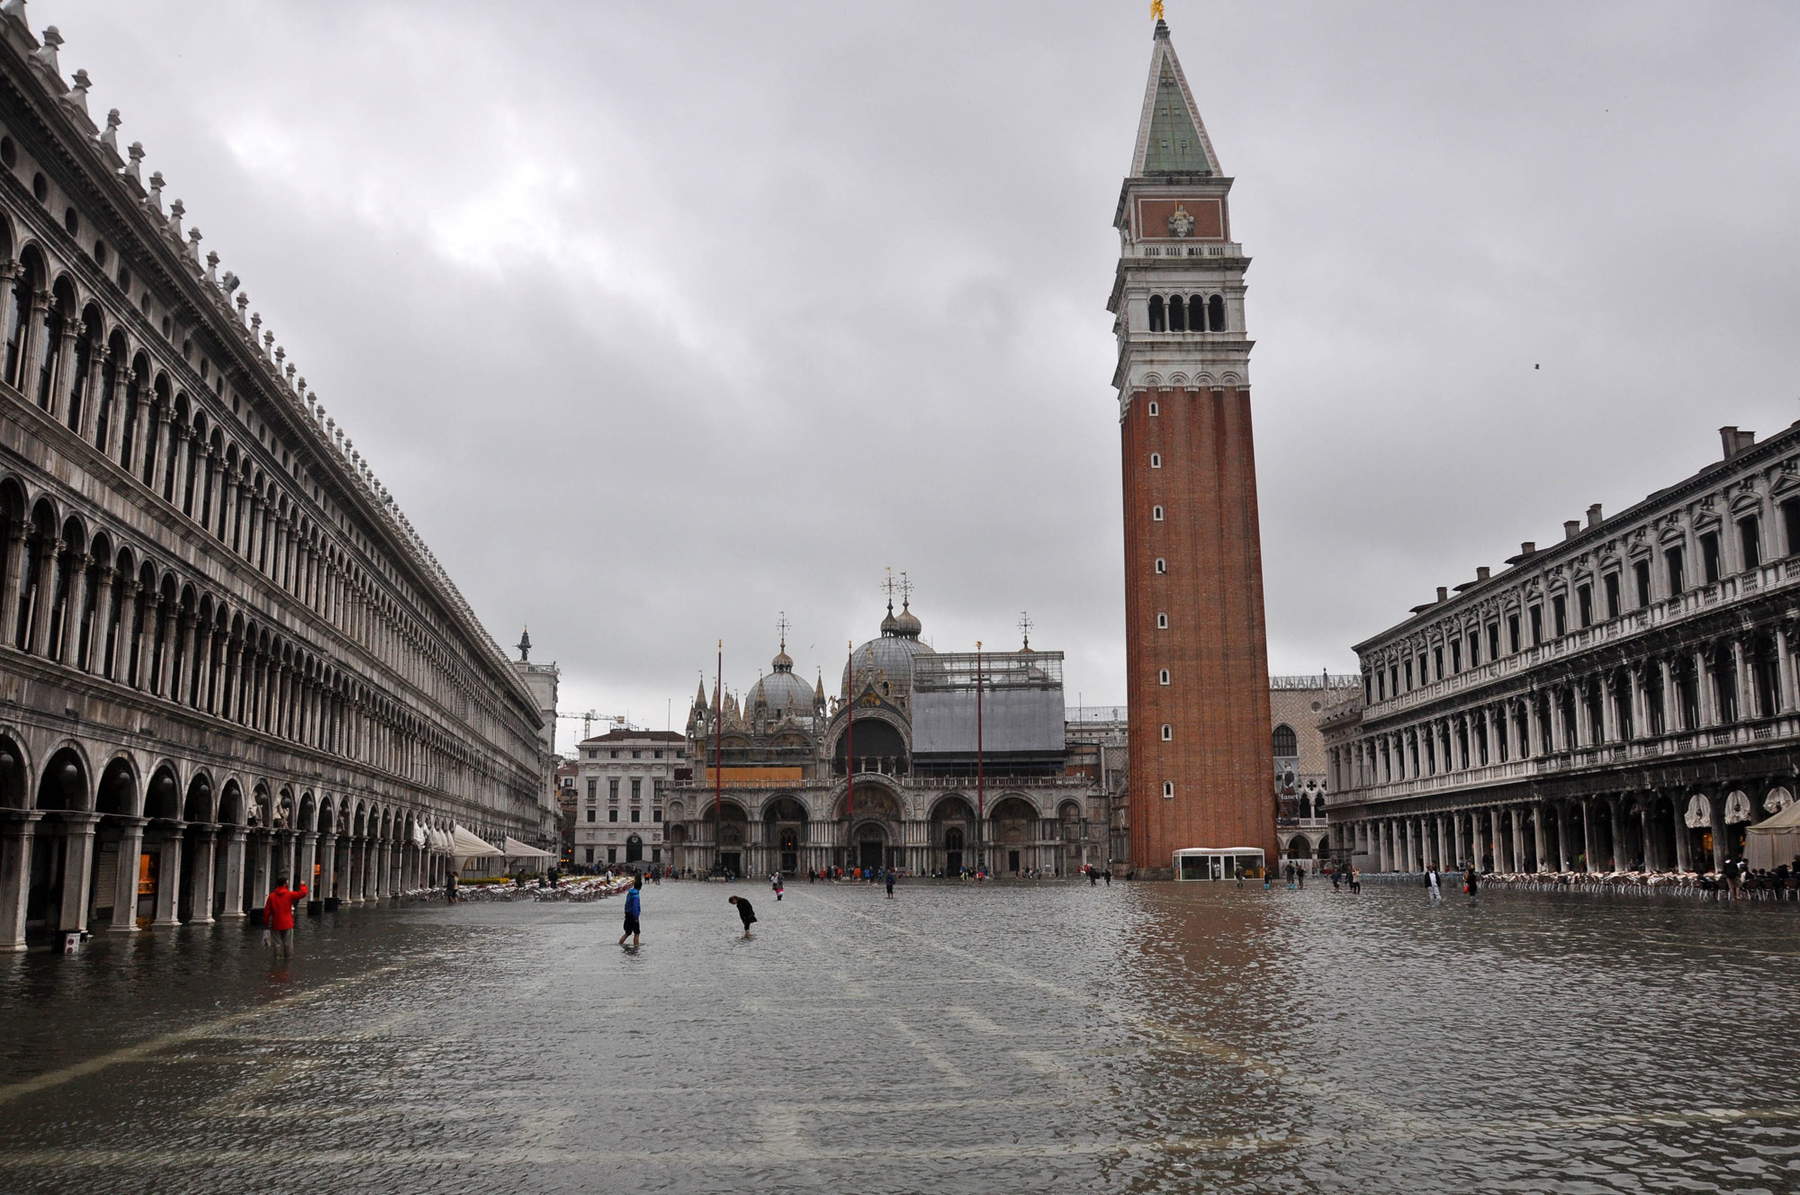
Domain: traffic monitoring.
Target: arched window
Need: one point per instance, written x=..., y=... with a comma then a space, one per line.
x=18, y=316
x=1163, y=677
x=1177, y=314
x=1155, y=409
x=1157, y=322
x=1162, y=621
x=134, y=398
x=83, y=362
x=49, y=349
x=1168, y=789
x=1168, y=732
x=1162, y=566
x=1156, y=460
x=1196, y=313
x=1285, y=741
x=1156, y=514
x=1215, y=313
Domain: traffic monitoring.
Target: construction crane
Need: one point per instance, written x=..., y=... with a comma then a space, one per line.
x=588, y=719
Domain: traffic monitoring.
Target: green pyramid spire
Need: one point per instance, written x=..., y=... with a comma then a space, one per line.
x=1175, y=146
x=1171, y=137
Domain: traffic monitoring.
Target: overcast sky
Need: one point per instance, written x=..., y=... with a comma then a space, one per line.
x=661, y=318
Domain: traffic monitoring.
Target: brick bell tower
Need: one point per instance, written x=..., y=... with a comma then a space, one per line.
x=1201, y=772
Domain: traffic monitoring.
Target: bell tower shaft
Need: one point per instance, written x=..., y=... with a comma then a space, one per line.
x=1201, y=770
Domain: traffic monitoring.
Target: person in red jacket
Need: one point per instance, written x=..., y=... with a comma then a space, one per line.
x=278, y=916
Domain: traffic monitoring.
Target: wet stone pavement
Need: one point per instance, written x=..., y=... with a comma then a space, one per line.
x=1142, y=1038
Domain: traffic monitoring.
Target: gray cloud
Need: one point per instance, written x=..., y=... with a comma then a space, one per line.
x=659, y=319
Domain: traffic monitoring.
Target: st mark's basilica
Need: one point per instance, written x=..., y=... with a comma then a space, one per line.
x=926, y=761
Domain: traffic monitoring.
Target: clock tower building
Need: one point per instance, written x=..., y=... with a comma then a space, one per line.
x=1201, y=773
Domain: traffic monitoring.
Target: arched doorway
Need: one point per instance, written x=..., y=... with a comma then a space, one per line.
x=784, y=830
x=869, y=843
x=952, y=835
x=61, y=849
x=733, y=837
x=1014, y=835
x=634, y=849
x=872, y=829
x=120, y=865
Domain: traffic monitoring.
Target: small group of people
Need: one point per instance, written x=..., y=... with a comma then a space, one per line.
x=634, y=912
x=1434, y=883
x=1096, y=874
x=1342, y=877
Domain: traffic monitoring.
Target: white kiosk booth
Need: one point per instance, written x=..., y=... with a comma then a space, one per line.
x=1218, y=863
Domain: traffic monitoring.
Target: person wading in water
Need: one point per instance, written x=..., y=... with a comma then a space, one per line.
x=278, y=917
x=634, y=908
x=745, y=913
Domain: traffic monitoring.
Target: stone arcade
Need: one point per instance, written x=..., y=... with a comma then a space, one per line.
x=1623, y=698
x=224, y=653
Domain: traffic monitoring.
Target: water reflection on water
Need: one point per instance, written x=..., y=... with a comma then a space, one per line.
x=1142, y=1038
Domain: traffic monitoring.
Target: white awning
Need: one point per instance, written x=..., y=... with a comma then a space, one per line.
x=519, y=850
x=1787, y=821
x=466, y=846
x=418, y=834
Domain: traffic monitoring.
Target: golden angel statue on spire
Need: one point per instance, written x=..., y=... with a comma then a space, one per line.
x=1156, y=10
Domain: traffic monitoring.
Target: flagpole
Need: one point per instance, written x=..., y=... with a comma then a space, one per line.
x=718, y=769
x=980, y=769
x=850, y=752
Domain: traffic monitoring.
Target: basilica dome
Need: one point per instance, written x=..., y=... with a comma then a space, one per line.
x=781, y=692
x=891, y=655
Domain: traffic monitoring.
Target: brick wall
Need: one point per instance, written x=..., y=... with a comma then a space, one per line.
x=1217, y=701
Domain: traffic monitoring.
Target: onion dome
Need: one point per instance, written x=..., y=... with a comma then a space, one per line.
x=907, y=623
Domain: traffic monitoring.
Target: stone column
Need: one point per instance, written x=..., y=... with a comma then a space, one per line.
x=1587, y=834
x=1616, y=808
x=77, y=870
x=1716, y=799
x=200, y=873
x=95, y=653
x=1542, y=840
x=262, y=859
x=1609, y=714
x=327, y=866
x=353, y=872
x=1784, y=672
x=309, y=842
x=43, y=600
x=1683, y=847
x=16, y=830
x=74, y=605
x=166, y=666
x=234, y=873
x=1746, y=693
x=168, y=877
x=1640, y=711
x=1494, y=839
x=125, y=875
x=1703, y=679
x=9, y=281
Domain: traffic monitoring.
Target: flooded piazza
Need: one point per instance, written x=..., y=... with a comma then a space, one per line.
x=1137, y=1038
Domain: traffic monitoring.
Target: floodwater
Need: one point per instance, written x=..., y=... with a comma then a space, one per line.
x=1137, y=1038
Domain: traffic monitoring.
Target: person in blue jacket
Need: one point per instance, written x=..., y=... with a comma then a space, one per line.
x=634, y=906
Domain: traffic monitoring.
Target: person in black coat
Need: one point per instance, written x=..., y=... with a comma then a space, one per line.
x=745, y=913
